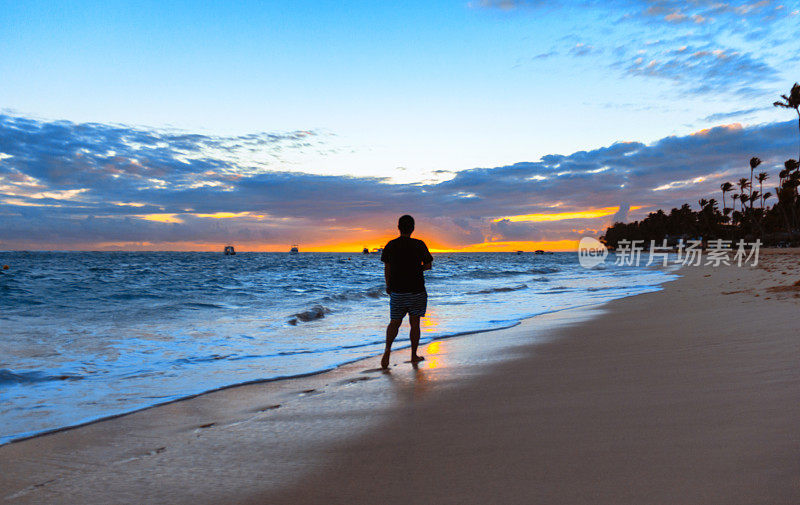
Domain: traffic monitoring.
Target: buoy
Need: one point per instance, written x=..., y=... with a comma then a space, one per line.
x=5, y=267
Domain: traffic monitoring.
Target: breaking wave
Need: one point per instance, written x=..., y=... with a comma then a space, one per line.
x=312, y=314
x=504, y=289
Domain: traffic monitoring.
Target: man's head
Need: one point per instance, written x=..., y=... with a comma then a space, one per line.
x=405, y=224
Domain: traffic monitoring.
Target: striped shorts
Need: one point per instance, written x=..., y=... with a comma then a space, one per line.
x=413, y=304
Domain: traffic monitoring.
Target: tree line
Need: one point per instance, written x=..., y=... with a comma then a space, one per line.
x=749, y=217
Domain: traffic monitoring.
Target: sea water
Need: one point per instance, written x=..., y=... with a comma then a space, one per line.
x=86, y=335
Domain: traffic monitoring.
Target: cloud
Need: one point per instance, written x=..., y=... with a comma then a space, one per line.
x=506, y=230
x=622, y=214
x=729, y=115
x=582, y=49
x=505, y=5
x=703, y=70
x=545, y=55
x=67, y=185
x=702, y=47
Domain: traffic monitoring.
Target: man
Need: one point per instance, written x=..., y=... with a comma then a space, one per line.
x=405, y=259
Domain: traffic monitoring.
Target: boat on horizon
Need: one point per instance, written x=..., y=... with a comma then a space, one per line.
x=229, y=250
x=294, y=249
x=365, y=251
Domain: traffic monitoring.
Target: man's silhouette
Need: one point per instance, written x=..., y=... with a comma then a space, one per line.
x=405, y=259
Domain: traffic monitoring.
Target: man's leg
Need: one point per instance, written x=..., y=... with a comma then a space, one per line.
x=391, y=333
x=414, y=337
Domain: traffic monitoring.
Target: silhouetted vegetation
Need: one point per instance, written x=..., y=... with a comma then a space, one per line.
x=749, y=218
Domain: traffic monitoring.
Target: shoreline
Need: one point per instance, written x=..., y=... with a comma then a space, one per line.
x=233, y=405
x=271, y=379
x=246, y=444
x=404, y=345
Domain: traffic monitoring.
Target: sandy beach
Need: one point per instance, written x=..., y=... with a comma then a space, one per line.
x=688, y=395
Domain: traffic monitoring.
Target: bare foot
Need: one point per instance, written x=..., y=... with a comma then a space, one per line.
x=417, y=359
x=385, y=361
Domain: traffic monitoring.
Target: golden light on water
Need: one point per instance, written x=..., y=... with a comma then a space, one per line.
x=429, y=323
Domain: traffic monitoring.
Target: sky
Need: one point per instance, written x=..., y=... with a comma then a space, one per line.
x=498, y=124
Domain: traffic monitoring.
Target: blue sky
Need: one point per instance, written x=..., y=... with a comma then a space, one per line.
x=371, y=91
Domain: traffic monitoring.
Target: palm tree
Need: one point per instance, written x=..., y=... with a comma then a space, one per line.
x=789, y=172
x=791, y=102
x=786, y=201
x=766, y=196
x=735, y=197
x=754, y=162
x=753, y=197
x=743, y=184
x=763, y=176
x=782, y=175
x=726, y=187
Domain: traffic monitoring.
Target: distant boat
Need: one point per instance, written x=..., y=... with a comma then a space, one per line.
x=229, y=250
x=539, y=251
x=365, y=251
x=294, y=249
x=520, y=252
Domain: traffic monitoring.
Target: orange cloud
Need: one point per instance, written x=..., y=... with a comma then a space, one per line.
x=229, y=215
x=161, y=218
x=730, y=127
x=560, y=216
x=545, y=245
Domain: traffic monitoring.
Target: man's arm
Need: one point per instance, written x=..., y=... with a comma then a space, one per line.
x=386, y=276
x=427, y=259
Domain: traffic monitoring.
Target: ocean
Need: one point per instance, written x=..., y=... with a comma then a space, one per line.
x=87, y=335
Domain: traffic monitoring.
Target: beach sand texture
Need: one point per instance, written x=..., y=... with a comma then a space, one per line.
x=688, y=395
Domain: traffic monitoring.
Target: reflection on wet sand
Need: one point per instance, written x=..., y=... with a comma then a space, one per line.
x=427, y=372
x=433, y=355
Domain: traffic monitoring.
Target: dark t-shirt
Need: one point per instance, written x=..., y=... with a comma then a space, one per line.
x=405, y=256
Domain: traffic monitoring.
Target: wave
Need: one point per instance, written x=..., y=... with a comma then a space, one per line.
x=202, y=359
x=504, y=289
x=491, y=274
x=312, y=314
x=134, y=296
x=11, y=377
x=605, y=288
x=200, y=305
x=557, y=290
x=374, y=292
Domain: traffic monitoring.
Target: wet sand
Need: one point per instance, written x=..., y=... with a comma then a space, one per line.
x=688, y=395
